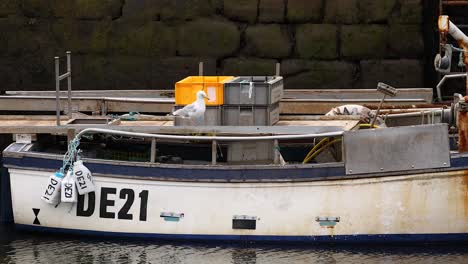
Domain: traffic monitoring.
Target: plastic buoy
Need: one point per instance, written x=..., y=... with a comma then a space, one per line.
x=69, y=189
x=52, y=192
x=83, y=177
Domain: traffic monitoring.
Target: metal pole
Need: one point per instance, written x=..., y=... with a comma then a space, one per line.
x=153, y=150
x=57, y=89
x=69, y=84
x=200, y=68
x=439, y=86
x=213, y=152
x=377, y=112
x=278, y=69
x=276, y=152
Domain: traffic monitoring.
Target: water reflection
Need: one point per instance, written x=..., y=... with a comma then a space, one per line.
x=26, y=248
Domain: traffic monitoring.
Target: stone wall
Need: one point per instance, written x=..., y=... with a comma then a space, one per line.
x=150, y=44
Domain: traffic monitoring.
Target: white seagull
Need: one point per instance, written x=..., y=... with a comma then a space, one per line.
x=194, y=111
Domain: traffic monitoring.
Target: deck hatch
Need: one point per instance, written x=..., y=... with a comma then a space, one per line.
x=244, y=222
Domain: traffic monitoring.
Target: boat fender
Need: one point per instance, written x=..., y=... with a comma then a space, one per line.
x=83, y=178
x=68, y=192
x=52, y=192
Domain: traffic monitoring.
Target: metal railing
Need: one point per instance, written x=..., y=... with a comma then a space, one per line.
x=213, y=139
x=58, y=78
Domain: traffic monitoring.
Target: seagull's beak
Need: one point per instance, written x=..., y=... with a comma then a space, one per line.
x=207, y=97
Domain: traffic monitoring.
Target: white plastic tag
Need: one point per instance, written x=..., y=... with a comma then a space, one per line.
x=83, y=178
x=52, y=191
x=69, y=189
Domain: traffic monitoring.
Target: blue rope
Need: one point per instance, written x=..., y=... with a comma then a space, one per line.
x=70, y=155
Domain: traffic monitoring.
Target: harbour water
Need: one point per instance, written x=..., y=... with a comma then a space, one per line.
x=18, y=247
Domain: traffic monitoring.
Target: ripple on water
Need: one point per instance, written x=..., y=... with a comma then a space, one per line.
x=24, y=248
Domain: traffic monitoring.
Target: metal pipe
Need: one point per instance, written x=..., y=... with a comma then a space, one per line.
x=69, y=84
x=378, y=111
x=442, y=81
x=455, y=3
x=412, y=114
x=153, y=150
x=213, y=152
x=206, y=138
x=278, y=69
x=200, y=68
x=446, y=26
x=276, y=159
x=57, y=89
x=64, y=76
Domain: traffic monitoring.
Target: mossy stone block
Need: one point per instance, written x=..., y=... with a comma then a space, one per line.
x=189, y=9
x=36, y=8
x=372, y=11
x=410, y=12
x=364, y=41
x=304, y=11
x=317, y=41
x=248, y=66
x=271, y=11
x=93, y=9
x=404, y=73
x=268, y=41
x=150, y=38
x=93, y=72
x=241, y=10
x=28, y=36
x=342, y=11
x=130, y=72
x=8, y=7
x=208, y=37
x=406, y=41
x=311, y=74
x=82, y=36
x=169, y=70
x=168, y=9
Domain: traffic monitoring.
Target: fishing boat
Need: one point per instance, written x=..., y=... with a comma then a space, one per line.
x=304, y=182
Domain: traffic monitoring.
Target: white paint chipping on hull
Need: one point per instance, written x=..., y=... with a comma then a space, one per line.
x=416, y=204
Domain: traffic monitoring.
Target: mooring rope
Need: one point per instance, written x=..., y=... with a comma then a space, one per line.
x=70, y=155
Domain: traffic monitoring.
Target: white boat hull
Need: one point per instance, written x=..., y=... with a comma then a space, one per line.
x=419, y=207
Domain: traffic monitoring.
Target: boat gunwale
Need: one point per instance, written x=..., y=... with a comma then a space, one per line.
x=239, y=168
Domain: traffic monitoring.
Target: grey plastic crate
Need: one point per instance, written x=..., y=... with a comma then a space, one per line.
x=212, y=117
x=253, y=90
x=241, y=115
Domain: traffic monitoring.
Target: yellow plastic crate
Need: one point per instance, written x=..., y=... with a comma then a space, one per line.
x=186, y=89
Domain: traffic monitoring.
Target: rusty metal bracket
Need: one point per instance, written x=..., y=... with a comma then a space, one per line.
x=462, y=106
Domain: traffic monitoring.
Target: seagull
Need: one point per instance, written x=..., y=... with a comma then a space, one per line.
x=194, y=111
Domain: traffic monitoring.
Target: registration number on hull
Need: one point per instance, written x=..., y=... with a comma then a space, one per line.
x=87, y=207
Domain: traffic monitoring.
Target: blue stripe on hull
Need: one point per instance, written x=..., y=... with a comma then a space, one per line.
x=182, y=173
x=186, y=173
x=382, y=238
